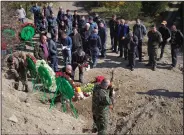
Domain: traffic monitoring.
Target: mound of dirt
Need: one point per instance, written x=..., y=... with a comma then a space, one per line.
x=32, y=116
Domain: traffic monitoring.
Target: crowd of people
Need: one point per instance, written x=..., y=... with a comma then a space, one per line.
x=89, y=35
x=84, y=40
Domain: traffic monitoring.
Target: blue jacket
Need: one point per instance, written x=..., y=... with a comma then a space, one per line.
x=60, y=15
x=118, y=28
x=92, y=26
x=35, y=10
x=95, y=43
x=52, y=48
x=52, y=22
x=124, y=30
x=67, y=42
x=70, y=17
x=103, y=35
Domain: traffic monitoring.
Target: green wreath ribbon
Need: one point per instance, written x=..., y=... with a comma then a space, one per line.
x=45, y=77
x=31, y=66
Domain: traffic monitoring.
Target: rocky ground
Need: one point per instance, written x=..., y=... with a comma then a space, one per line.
x=148, y=102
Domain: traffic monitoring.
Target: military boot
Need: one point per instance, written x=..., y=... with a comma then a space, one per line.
x=16, y=85
x=27, y=88
x=154, y=68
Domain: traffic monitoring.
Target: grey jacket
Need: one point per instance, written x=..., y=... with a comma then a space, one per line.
x=52, y=48
x=139, y=31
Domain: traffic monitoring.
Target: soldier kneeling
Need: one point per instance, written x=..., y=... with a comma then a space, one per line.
x=16, y=64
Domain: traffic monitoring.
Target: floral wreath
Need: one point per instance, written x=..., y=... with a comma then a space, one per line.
x=46, y=74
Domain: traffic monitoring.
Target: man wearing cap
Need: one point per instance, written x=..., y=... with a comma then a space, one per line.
x=166, y=35
x=95, y=46
x=154, y=39
x=76, y=40
x=101, y=102
x=78, y=60
x=17, y=69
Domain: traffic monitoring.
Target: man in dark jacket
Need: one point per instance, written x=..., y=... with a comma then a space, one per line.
x=132, y=46
x=140, y=31
x=60, y=15
x=53, y=55
x=78, y=60
x=166, y=34
x=41, y=50
x=66, y=41
x=123, y=44
x=112, y=24
x=154, y=39
x=103, y=36
x=76, y=17
x=76, y=40
x=95, y=46
x=53, y=26
x=85, y=35
x=47, y=11
x=36, y=11
x=82, y=23
x=117, y=35
x=70, y=20
x=176, y=41
x=43, y=27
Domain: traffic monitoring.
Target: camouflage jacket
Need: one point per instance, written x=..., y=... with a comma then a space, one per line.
x=100, y=100
x=17, y=64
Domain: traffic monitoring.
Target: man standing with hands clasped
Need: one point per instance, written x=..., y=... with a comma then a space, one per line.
x=139, y=30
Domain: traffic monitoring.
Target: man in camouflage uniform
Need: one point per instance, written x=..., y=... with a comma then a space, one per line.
x=154, y=39
x=101, y=102
x=17, y=69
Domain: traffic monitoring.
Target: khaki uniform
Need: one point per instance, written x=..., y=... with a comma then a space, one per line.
x=17, y=71
x=100, y=109
x=155, y=38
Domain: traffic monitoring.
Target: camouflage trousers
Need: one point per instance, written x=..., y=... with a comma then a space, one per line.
x=100, y=123
x=152, y=52
x=22, y=76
